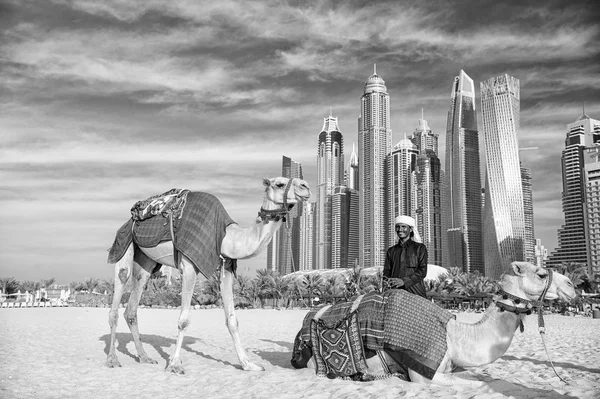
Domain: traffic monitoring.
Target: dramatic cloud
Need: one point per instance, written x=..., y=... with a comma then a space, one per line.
x=105, y=103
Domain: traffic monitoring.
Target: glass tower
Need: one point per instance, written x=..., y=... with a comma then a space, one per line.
x=574, y=235
x=330, y=173
x=374, y=143
x=462, y=241
x=504, y=211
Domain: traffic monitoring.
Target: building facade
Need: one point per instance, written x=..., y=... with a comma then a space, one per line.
x=428, y=191
x=461, y=207
x=527, y=184
x=591, y=161
x=283, y=252
x=574, y=234
x=344, y=227
x=374, y=143
x=351, y=173
x=504, y=213
x=330, y=174
x=307, y=222
x=401, y=185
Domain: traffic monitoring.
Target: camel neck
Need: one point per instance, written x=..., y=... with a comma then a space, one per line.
x=247, y=242
x=485, y=341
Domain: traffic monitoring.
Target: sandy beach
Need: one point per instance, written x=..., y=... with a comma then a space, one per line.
x=60, y=353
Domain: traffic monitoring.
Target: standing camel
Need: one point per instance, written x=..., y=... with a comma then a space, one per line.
x=467, y=344
x=137, y=264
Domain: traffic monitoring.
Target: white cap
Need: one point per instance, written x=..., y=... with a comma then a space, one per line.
x=412, y=223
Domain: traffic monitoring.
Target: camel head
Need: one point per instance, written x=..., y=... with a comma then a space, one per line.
x=529, y=282
x=278, y=192
x=301, y=353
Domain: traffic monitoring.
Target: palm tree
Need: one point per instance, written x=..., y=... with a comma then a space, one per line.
x=47, y=283
x=212, y=286
x=91, y=284
x=9, y=285
x=312, y=284
x=332, y=287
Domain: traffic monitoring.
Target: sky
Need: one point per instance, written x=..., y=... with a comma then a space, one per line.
x=106, y=103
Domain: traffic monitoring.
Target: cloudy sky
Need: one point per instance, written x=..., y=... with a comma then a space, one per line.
x=103, y=103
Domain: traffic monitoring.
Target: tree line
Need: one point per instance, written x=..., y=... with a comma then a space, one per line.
x=268, y=288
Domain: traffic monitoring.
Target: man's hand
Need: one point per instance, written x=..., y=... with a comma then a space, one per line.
x=395, y=282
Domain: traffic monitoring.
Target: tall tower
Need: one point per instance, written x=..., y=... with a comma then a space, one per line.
x=527, y=183
x=428, y=189
x=374, y=143
x=573, y=236
x=344, y=227
x=307, y=237
x=401, y=185
x=330, y=173
x=504, y=213
x=463, y=245
x=591, y=162
x=351, y=174
x=283, y=252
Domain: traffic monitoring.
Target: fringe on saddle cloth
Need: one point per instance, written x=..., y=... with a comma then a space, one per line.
x=411, y=329
x=199, y=222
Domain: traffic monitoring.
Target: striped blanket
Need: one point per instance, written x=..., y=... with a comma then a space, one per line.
x=198, y=232
x=409, y=328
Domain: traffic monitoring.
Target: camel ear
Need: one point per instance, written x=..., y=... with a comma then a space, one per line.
x=518, y=268
x=266, y=182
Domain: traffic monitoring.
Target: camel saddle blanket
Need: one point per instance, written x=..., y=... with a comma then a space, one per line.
x=411, y=329
x=339, y=333
x=198, y=230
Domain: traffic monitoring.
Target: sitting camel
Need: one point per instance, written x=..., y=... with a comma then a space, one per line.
x=465, y=344
x=138, y=263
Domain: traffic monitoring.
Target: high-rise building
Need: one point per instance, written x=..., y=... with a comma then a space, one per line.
x=374, y=143
x=344, y=227
x=527, y=184
x=461, y=207
x=428, y=191
x=351, y=173
x=283, y=252
x=307, y=236
x=330, y=173
x=504, y=212
x=541, y=253
x=573, y=236
x=591, y=161
x=401, y=185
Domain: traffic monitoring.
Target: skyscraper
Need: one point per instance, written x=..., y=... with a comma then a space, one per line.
x=283, y=252
x=307, y=236
x=527, y=183
x=374, y=143
x=504, y=212
x=573, y=236
x=461, y=208
x=330, y=173
x=351, y=173
x=591, y=161
x=344, y=227
x=428, y=189
x=401, y=185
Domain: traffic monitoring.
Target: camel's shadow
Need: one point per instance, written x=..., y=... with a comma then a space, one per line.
x=159, y=343
x=278, y=358
x=556, y=364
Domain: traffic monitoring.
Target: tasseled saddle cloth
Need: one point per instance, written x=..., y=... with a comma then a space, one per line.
x=408, y=327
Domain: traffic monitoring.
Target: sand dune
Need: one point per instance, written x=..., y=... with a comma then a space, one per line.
x=60, y=353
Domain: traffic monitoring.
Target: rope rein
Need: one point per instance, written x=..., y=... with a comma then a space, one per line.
x=528, y=309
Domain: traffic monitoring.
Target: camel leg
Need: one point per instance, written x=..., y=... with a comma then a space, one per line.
x=232, y=322
x=447, y=379
x=122, y=273
x=188, y=280
x=141, y=266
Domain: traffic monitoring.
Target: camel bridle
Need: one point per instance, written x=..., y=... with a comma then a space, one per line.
x=280, y=213
x=528, y=309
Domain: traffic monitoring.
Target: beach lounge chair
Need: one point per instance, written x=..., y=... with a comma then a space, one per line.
x=11, y=304
x=23, y=304
x=4, y=304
